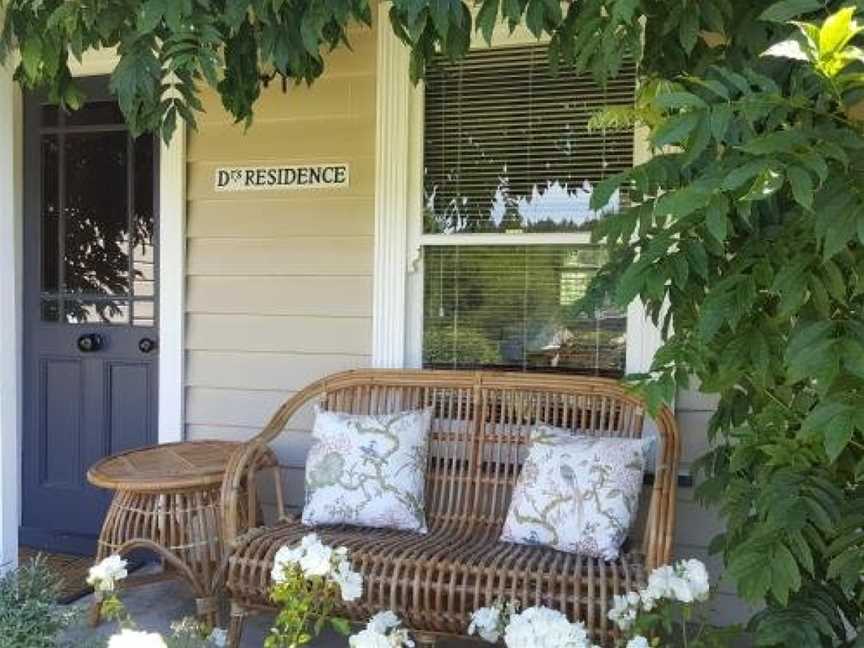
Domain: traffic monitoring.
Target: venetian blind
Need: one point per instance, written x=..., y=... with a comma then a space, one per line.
x=507, y=145
x=514, y=307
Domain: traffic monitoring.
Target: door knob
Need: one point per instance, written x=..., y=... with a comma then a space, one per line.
x=89, y=343
x=146, y=345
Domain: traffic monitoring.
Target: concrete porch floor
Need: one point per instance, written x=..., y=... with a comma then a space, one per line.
x=155, y=606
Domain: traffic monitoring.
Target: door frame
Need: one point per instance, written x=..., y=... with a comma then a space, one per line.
x=172, y=280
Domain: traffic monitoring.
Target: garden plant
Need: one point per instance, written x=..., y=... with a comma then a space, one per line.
x=30, y=616
x=744, y=236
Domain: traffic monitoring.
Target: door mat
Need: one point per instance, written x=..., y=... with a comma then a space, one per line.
x=72, y=570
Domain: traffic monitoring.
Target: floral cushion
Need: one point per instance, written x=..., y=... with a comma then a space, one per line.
x=368, y=470
x=576, y=493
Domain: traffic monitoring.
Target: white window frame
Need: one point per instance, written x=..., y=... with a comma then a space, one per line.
x=399, y=239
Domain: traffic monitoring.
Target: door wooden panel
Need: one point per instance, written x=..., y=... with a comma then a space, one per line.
x=128, y=389
x=60, y=424
x=91, y=316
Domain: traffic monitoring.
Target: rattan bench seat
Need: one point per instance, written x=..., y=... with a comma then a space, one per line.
x=480, y=428
x=435, y=581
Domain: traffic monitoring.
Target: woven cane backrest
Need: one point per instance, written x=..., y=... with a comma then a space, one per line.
x=481, y=423
x=449, y=474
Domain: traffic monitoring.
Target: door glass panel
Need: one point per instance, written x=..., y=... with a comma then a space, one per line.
x=50, y=309
x=98, y=221
x=143, y=234
x=50, y=213
x=50, y=115
x=95, y=113
x=145, y=313
x=96, y=216
x=113, y=311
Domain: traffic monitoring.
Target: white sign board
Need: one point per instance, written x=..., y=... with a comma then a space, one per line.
x=274, y=178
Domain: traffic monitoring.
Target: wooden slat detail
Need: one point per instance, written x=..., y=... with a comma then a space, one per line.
x=252, y=333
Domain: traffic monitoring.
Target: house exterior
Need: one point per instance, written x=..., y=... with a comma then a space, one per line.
x=327, y=236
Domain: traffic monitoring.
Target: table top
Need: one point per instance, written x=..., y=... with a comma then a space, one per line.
x=167, y=467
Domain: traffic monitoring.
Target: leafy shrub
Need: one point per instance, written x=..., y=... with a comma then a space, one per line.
x=30, y=616
x=468, y=346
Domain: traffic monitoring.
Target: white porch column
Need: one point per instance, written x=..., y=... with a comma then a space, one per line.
x=391, y=197
x=172, y=285
x=10, y=315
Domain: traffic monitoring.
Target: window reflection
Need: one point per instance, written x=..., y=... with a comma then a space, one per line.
x=115, y=311
x=518, y=307
x=98, y=219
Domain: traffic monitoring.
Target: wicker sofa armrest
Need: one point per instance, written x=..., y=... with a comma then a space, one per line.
x=239, y=504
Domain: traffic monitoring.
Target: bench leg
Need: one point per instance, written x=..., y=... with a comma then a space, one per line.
x=235, y=627
x=425, y=640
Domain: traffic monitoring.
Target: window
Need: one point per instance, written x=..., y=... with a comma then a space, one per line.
x=509, y=167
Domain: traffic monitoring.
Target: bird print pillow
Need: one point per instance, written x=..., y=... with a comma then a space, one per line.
x=578, y=494
x=368, y=470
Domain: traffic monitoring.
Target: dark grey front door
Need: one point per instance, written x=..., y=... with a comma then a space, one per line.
x=90, y=300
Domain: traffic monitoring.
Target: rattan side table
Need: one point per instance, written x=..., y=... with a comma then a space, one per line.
x=167, y=500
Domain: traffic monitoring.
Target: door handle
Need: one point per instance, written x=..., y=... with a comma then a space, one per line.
x=90, y=342
x=146, y=345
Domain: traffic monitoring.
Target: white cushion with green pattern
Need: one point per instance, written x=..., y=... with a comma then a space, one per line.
x=368, y=470
x=576, y=493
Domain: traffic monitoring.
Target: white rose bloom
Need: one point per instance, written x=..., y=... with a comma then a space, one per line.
x=660, y=583
x=219, y=637
x=382, y=622
x=369, y=639
x=104, y=575
x=285, y=557
x=540, y=627
x=624, y=609
x=317, y=561
x=349, y=581
x=696, y=575
x=638, y=642
x=485, y=623
x=681, y=590
x=309, y=540
x=133, y=639
x=648, y=600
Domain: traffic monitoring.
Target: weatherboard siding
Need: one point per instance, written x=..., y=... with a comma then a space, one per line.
x=279, y=283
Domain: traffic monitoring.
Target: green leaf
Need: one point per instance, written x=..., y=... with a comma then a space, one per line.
x=766, y=184
x=721, y=115
x=787, y=9
x=837, y=30
x=440, y=12
x=487, y=18
x=675, y=129
x=785, y=576
x=838, y=433
x=679, y=100
x=802, y=186
x=150, y=15
x=716, y=219
x=342, y=626
x=793, y=49
x=688, y=30
x=741, y=174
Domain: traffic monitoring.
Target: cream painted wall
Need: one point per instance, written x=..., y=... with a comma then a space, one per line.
x=279, y=284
